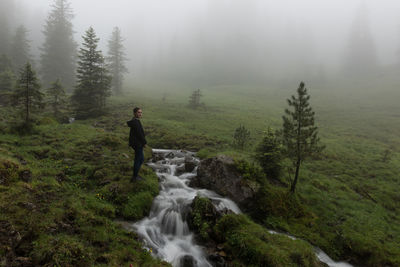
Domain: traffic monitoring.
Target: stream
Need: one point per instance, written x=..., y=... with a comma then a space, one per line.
x=165, y=231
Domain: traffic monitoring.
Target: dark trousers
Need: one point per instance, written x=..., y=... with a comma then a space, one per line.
x=139, y=158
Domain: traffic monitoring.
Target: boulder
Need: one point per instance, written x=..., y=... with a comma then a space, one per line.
x=190, y=164
x=220, y=175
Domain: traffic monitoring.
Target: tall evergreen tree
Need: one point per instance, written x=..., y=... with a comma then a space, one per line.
x=361, y=56
x=93, y=80
x=20, y=48
x=116, y=60
x=6, y=7
x=57, y=97
x=59, y=49
x=27, y=94
x=299, y=134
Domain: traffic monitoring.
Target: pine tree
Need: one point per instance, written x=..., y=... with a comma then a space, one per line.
x=27, y=94
x=269, y=154
x=241, y=137
x=299, y=135
x=7, y=80
x=361, y=57
x=6, y=7
x=116, y=60
x=57, y=99
x=93, y=80
x=194, y=99
x=20, y=48
x=59, y=49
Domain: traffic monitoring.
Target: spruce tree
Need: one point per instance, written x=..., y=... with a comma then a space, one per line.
x=93, y=80
x=57, y=98
x=20, y=48
x=27, y=94
x=194, y=99
x=241, y=137
x=116, y=60
x=269, y=154
x=59, y=49
x=299, y=134
x=6, y=7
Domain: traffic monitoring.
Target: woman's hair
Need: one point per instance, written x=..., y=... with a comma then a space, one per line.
x=136, y=110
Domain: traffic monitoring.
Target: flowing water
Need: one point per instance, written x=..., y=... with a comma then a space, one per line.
x=165, y=231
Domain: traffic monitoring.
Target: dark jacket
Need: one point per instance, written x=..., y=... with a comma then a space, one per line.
x=136, y=134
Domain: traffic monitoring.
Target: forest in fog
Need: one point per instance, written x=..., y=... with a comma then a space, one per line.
x=206, y=42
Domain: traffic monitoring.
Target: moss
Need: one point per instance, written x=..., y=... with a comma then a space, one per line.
x=137, y=206
x=253, y=245
x=202, y=217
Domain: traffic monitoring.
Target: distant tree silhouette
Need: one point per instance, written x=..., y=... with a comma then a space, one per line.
x=20, y=48
x=299, y=134
x=360, y=57
x=57, y=98
x=27, y=94
x=194, y=99
x=241, y=137
x=116, y=60
x=7, y=80
x=58, y=58
x=6, y=7
x=93, y=79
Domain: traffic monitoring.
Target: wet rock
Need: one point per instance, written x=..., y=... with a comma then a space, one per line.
x=217, y=260
x=26, y=176
x=157, y=157
x=187, y=261
x=220, y=175
x=180, y=170
x=190, y=164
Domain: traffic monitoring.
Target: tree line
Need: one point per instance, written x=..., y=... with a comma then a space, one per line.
x=85, y=73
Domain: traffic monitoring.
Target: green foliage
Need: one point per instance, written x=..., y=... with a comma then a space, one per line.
x=253, y=245
x=27, y=95
x=93, y=80
x=269, y=154
x=202, y=217
x=20, y=48
x=250, y=171
x=299, y=135
x=116, y=60
x=57, y=98
x=59, y=48
x=241, y=137
x=59, y=250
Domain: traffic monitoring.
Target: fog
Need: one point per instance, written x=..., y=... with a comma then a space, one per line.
x=208, y=42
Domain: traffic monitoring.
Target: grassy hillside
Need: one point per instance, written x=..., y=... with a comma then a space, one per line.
x=62, y=187
x=351, y=190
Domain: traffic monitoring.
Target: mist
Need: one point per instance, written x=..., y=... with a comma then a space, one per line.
x=209, y=42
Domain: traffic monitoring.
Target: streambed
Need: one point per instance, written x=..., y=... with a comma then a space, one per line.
x=165, y=231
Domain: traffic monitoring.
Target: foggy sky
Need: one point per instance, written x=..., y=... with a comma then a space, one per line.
x=175, y=34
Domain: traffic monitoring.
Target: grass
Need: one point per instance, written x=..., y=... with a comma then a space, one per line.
x=77, y=184
x=349, y=195
x=350, y=192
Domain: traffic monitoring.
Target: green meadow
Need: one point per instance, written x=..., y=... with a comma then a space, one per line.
x=64, y=185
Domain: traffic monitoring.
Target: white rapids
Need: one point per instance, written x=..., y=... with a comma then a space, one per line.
x=165, y=231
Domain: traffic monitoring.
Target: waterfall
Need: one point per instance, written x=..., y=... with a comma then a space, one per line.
x=165, y=231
